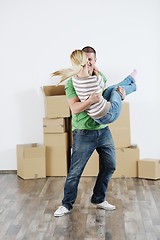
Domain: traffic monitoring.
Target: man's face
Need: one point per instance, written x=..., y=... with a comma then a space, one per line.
x=91, y=62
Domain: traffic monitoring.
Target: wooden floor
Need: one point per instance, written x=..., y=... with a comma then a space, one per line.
x=27, y=206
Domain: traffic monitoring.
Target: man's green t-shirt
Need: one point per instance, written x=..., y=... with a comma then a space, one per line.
x=82, y=120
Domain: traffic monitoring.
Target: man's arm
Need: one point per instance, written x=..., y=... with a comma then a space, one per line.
x=76, y=106
x=74, y=103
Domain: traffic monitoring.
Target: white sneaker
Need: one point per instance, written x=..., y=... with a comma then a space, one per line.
x=106, y=206
x=61, y=211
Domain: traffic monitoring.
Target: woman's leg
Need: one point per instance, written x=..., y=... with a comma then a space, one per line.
x=115, y=94
x=115, y=108
x=128, y=84
x=129, y=79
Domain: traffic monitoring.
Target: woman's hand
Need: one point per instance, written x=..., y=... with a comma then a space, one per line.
x=95, y=98
x=76, y=106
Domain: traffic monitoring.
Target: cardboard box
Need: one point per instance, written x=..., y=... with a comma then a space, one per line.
x=92, y=167
x=124, y=118
x=56, y=154
x=55, y=102
x=54, y=125
x=149, y=168
x=31, y=161
x=126, y=162
x=120, y=129
x=121, y=137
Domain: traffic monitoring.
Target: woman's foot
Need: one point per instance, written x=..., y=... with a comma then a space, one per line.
x=121, y=92
x=133, y=74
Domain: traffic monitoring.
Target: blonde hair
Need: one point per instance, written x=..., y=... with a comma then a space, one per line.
x=78, y=59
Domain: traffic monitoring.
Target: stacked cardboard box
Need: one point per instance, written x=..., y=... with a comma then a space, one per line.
x=56, y=105
x=56, y=130
x=92, y=167
x=121, y=128
x=127, y=156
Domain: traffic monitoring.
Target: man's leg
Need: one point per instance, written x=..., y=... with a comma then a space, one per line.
x=84, y=143
x=107, y=155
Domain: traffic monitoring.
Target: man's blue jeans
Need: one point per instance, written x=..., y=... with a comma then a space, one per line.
x=115, y=100
x=84, y=143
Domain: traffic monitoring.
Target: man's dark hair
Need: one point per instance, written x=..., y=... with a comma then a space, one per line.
x=89, y=49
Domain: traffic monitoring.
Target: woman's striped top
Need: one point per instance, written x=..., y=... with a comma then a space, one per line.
x=84, y=87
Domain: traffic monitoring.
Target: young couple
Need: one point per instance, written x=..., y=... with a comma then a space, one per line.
x=108, y=108
x=93, y=106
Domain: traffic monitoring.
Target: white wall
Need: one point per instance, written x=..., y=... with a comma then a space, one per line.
x=37, y=37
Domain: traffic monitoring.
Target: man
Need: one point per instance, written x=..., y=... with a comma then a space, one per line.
x=87, y=136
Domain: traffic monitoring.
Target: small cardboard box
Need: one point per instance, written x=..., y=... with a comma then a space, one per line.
x=149, y=168
x=31, y=161
x=54, y=125
x=126, y=162
x=120, y=129
x=56, y=154
x=55, y=102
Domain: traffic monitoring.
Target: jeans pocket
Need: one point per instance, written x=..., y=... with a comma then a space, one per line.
x=80, y=132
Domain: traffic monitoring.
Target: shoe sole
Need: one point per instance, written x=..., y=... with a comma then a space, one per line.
x=61, y=215
x=107, y=209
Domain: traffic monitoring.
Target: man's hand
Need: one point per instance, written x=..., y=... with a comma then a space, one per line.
x=96, y=71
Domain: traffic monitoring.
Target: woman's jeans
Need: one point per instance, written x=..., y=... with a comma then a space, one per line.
x=115, y=100
x=84, y=143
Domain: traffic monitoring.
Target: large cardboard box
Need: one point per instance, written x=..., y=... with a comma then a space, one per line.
x=126, y=162
x=149, y=168
x=92, y=167
x=56, y=154
x=55, y=102
x=54, y=125
x=120, y=129
x=31, y=161
x=121, y=137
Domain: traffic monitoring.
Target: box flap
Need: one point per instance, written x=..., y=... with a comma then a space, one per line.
x=54, y=90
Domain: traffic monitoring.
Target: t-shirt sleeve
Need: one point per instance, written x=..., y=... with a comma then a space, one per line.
x=69, y=88
x=70, y=91
x=104, y=78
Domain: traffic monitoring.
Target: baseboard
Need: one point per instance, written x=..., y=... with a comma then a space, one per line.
x=8, y=171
